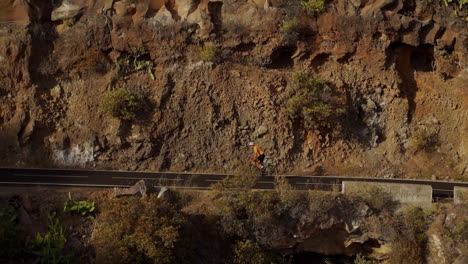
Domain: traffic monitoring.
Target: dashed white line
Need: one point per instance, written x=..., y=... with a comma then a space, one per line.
x=138, y=178
x=316, y=183
x=94, y=185
x=257, y=182
x=52, y=176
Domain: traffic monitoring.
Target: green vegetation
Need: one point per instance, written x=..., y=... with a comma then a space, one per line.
x=69, y=22
x=252, y=215
x=137, y=61
x=408, y=237
x=360, y=259
x=207, y=52
x=50, y=247
x=84, y=208
x=122, y=104
x=134, y=230
x=377, y=199
x=141, y=64
x=461, y=3
x=290, y=25
x=459, y=232
x=10, y=245
x=244, y=178
x=314, y=102
x=313, y=6
x=287, y=194
x=422, y=139
x=248, y=252
x=291, y=29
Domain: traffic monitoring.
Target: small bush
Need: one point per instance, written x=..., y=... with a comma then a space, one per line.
x=315, y=103
x=291, y=30
x=459, y=232
x=244, y=177
x=92, y=61
x=84, y=208
x=122, y=104
x=378, y=199
x=50, y=247
x=248, y=252
x=313, y=6
x=139, y=60
x=207, y=52
x=10, y=245
x=461, y=3
x=360, y=259
x=409, y=238
x=287, y=194
x=134, y=230
x=422, y=139
x=321, y=202
x=290, y=25
x=69, y=22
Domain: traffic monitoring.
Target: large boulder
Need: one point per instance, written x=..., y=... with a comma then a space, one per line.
x=141, y=189
x=69, y=9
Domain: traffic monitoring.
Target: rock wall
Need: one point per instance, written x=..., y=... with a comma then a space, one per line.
x=399, y=64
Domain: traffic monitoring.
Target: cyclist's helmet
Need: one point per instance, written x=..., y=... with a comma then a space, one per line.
x=251, y=143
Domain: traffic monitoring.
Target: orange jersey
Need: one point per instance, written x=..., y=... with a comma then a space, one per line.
x=257, y=150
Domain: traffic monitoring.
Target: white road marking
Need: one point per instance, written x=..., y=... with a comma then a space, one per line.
x=94, y=185
x=52, y=176
x=138, y=178
x=316, y=183
x=257, y=182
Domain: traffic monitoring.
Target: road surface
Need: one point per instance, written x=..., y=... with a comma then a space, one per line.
x=96, y=178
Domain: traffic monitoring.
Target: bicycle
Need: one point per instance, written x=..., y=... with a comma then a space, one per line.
x=268, y=167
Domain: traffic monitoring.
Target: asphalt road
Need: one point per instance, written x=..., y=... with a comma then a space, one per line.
x=96, y=178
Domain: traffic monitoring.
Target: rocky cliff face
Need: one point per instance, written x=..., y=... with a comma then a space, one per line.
x=401, y=66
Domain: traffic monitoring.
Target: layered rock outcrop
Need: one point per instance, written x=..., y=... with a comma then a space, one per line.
x=399, y=65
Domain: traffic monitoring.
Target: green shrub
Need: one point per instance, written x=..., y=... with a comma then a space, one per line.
x=360, y=259
x=122, y=104
x=134, y=230
x=313, y=6
x=409, y=238
x=320, y=202
x=422, y=139
x=137, y=61
x=461, y=3
x=50, y=247
x=248, y=252
x=142, y=64
x=314, y=102
x=207, y=52
x=378, y=199
x=10, y=244
x=69, y=22
x=244, y=177
x=84, y=208
x=459, y=232
x=290, y=25
x=287, y=194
